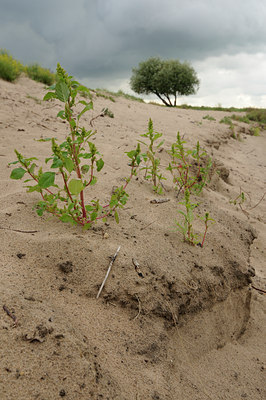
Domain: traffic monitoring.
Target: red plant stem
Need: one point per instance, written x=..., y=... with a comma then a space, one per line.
x=206, y=228
x=84, y=214
x=36, y=180
x=91, y=173
x=65, y=182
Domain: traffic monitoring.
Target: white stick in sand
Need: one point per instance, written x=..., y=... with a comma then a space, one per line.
x=108, y=272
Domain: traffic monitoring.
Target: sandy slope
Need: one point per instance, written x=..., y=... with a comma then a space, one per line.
x=191, y=327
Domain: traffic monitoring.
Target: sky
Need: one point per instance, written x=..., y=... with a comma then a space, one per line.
x=100, y=41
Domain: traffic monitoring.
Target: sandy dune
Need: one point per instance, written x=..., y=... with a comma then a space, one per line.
x=189, y=324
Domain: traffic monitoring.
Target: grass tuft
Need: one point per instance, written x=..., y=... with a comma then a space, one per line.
x=10, y=69
x=40, y=74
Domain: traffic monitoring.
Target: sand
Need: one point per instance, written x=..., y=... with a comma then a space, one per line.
x=188, y=323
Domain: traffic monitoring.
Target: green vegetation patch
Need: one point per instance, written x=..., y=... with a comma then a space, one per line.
x=10, y=69
x=40, y=74
x=209, y=117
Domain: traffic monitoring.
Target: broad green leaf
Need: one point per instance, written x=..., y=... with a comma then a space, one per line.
x=13, y=162
x=93, y=181
x=93, y=216
x=32, y=167
x=17, y=173
x=160, y=144
x=49, y=96
x=84, y=102
x=157, y=136
x=46, y=179
x=100, y=164
x=75, y=186
x=85, y=169
x=86, y=227
x=72, y=124
x=62, y=91
x=116, y=217
x=66, y=218
x=68, y=163
x=61, y=114
x=39, y=211
x=35, y=188
x=57, y=163
x=87, y=108
x=86, y=155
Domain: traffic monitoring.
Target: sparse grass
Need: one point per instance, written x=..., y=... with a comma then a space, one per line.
x=255, y=131
x=10, y=69
x=107, y=94
x=226, y=120
x=209, y=117
x=257, y=115
x=40, y=74
x=240, y=118
x=38, y=101
x=217, y=108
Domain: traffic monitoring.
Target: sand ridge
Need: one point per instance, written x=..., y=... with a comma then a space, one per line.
x=190, y=326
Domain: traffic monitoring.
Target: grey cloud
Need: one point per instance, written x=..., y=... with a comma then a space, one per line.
x=104, y=39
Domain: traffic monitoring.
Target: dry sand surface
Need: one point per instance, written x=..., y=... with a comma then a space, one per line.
x=188, y=324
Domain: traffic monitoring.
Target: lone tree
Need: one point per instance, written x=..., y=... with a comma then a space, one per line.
x=164, y=79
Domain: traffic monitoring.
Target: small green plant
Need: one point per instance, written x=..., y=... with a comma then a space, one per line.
x=108, y=112
x=242, y=198
x=255, y=131
x=10, y=69
x=233, y=133
x=186, y=228
x=209, y=117
x=257, y=115
x=241, y=118
x=105, y=96
x=239, y=200
x=40, y=74
x=207, y=221
x=189, y=168
x=226, y=120
x=76, y=161
x=152, y=167
x=38, y=101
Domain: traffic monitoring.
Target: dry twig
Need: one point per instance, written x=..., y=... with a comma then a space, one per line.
x=108, y=271
x=11, y=315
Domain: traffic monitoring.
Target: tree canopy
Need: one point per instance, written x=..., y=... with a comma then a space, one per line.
x=164, y=78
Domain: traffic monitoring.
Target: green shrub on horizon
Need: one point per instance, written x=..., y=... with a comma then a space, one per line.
x=108, y=94
x=257, y=115
x=10, y=69
x=40, y=74
x=241, y=118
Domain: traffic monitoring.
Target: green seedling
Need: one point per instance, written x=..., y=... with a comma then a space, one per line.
x=209, y=117
x=186, y=228
x=242, y=198
x=233, y=133
x=207, y=221
x=226, y=120
x=152, y=167
x=255, y=131
x=239, y=200
x=189, y=168
x=76, y=161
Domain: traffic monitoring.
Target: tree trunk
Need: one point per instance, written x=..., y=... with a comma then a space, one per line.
x=163, y=100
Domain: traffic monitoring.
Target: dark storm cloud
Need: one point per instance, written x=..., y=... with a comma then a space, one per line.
x=101, y=40
x=108, y=37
